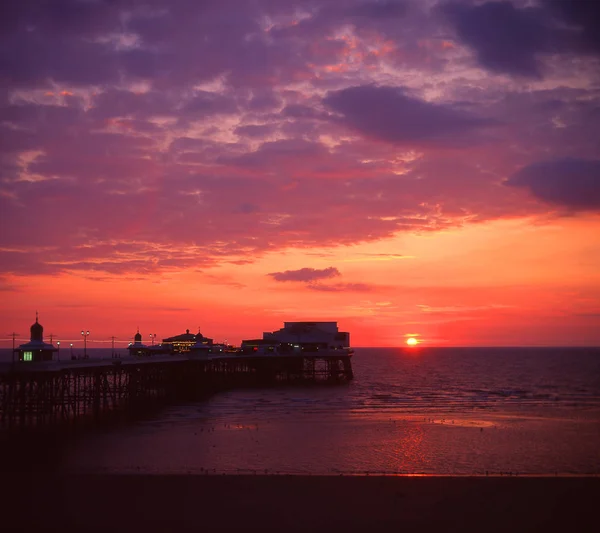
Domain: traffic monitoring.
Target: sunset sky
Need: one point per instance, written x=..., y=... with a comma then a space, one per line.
x=421, y=168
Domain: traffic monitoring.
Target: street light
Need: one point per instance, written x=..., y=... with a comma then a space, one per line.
x=85, y=336
x=58, y=353
x=71, y=350
x=153, y=336
x=14, y=336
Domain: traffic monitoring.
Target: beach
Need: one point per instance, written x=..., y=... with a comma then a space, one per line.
x=298, y=503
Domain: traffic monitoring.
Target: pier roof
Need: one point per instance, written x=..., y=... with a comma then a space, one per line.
x=187, y=336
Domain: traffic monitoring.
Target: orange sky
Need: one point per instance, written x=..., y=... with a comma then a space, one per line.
x=513, y=282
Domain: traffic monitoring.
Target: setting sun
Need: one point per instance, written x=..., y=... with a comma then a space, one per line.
x=411, y=341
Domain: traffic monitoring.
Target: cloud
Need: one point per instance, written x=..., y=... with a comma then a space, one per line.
x=313, y=279
x=505, y=39
x=205, y=103
x=10, y=286
x=383, y=9
x=342, y=287
x=258, y=131
x=511, y=40
x=572, y=183
x=364, y=257
x=306, y=274
x=120, y=103
x=584, y=15
x=132, y=132
x=388, y=114
x=277, y=155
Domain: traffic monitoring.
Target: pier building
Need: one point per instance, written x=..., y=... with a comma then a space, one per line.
x=138, y=348
x=297, y=337
x=36, y=349
x=184, y=342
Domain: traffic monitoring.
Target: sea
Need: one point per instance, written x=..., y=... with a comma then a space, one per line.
x=408, y=411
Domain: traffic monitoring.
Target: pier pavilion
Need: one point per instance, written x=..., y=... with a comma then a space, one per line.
x=36, y=349
x=185, y=341
x=300, y=337
x=137, y=348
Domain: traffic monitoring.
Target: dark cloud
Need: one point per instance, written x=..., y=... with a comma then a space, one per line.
x=264, y=100
x=329, y=15
x=30, y=60
x=37, y=116
x=512, y=40
x=388, y=114
x=95, y=155
x=302, y=111
x=119, y=103
x=188, y=144
x=572, y=183
x=505, y=39
x=256, y=130
x=306, y=274
x=17, y=140
x=61, y=16
x=384, y=9
x=205, y=104
x=81, y=43
x=584, y=17
x=274, y=154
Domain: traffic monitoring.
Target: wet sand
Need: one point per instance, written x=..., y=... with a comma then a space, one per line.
x=298, y=503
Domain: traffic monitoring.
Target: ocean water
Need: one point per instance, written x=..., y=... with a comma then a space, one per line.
x=455, y=411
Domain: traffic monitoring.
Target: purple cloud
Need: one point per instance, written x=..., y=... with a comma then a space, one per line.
x=384, y=9
x=256, y=130
x=306, y=274
x=388, y=114
x=342, y=287
x=275, y=154
x=584, y=15
x=119, y=103
x=505, y=39
x=512, y=40
x=572, y=183
x=133, y=129
x=204, y=104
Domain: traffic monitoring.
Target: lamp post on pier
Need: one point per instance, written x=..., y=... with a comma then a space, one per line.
x=153, y=336
x=58, y=351
x=14, y=336
x=71, y=350
x=85, y=336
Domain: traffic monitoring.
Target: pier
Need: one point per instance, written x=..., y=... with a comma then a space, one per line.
x=51, y=394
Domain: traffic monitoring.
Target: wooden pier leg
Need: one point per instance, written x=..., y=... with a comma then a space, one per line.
x=348, y=368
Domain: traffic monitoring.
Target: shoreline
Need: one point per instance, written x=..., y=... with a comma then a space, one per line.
x=58, y=475
x=84, y=502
